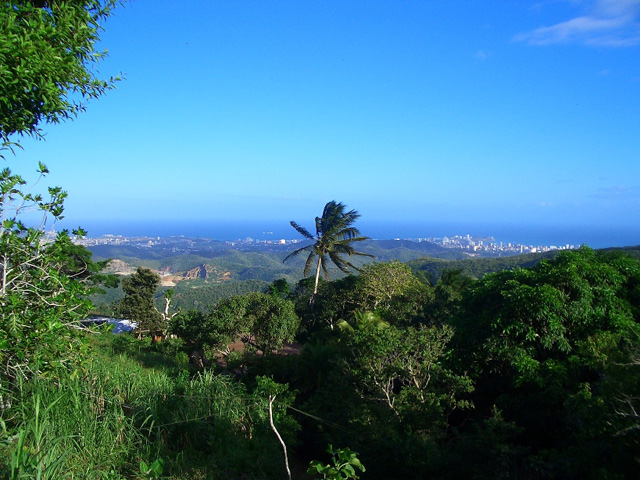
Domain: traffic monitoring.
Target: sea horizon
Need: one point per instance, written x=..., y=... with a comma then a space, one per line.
x=536, y=235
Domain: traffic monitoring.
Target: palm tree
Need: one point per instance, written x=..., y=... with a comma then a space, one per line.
x=334, y=234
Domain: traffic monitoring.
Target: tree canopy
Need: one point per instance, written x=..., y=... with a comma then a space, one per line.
x=138, y=303
x=47, y=59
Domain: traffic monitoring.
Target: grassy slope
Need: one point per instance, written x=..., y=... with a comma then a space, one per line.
x=131, y=404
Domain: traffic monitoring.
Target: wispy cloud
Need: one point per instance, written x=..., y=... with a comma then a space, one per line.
x=481, y=55
x=618, y=192
x=602, y=23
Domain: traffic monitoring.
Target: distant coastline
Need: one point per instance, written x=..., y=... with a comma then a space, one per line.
x=560, y=235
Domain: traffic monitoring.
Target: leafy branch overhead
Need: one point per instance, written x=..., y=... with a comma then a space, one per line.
x=47, y=58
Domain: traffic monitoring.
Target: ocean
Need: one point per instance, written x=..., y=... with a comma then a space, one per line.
x=537, y=235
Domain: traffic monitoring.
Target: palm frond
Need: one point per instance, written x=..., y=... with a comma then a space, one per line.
x=362, y=254
x=339, y=262
x=297, y=252
x=307, y=265
x=325, y=271
x=335, y=234
x=302, y=231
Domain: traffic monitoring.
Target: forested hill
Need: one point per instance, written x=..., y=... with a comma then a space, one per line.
x=264, y=262
x=259, y=262
x=406, y=250
x=432, y=268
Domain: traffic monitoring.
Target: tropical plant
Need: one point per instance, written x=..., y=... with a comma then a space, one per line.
x=334, y=235
x=362, y=320
x=43, y=283
x=345, y=462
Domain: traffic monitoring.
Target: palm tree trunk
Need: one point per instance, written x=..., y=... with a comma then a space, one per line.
x=315, y=288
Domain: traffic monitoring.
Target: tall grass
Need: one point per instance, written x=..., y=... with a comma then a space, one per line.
x=133, y=405
x=87, y=434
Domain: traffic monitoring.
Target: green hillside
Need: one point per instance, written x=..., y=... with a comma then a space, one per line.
x=477, y=267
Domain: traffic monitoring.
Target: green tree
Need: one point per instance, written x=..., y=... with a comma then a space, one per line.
x=40, y=305
x=447, y=296
x=402, y=369
x=47, y=59
x=43, y=284
x=345, y=462
x=544, y=345
x=334, y=301
x=279, y=288
x=393, y=290
x=262, y=322
x=273, y=321
x=138, y=304
x=334, y=235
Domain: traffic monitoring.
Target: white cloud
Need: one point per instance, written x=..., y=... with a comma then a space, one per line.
x=609, y=23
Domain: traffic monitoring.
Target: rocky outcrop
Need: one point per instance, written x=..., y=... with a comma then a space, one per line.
x=119, y=267
x=197, y=272
x=208, y=272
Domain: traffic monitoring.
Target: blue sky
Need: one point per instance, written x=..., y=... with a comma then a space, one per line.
x=488, y=112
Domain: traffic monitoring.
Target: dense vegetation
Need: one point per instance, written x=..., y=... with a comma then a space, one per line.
x=251, y=271
x=527, y=373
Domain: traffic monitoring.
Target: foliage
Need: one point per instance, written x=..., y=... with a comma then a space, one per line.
x=402, y=369
x=334, y=301
x=279, y=288
x=43, y=284
x=382, y=282
x=273, y=321
x=268, y=388
x=201, y=296
x=138, y=304
x=152, y=470
x=576, y=305
x=47, y=55
x=523, y=374
x=188, y=295
x=334, y=235
x=447, y=296
x=36, y=454
x=263, y=322
x=345, y=462
x=546, y=340
x=134, y=407
x=362, y=321
x=392, y=289
x=47, y=50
